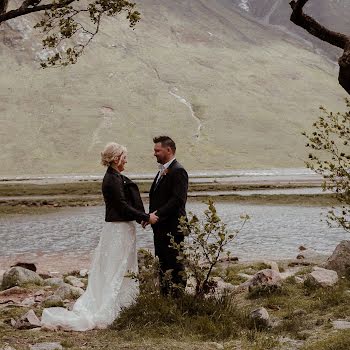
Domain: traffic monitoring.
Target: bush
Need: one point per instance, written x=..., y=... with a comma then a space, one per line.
x=330, y=157
x=203, y=246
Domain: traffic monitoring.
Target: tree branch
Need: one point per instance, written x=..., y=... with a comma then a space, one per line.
x=3, y=6
x=340, y=40
x=24, y=9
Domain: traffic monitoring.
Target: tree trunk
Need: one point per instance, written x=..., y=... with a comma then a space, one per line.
x=336, y=39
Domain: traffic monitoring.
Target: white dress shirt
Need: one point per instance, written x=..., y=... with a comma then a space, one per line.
x=162, y=167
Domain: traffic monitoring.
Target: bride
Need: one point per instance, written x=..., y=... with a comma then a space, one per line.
x=109, y=289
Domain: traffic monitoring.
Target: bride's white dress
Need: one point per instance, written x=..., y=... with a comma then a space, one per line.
x=109, y=289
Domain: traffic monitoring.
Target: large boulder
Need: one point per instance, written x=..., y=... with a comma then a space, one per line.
x=18, y=276
x=340, y=259
x=322, y=277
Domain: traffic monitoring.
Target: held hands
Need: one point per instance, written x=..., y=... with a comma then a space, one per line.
x=153, y=219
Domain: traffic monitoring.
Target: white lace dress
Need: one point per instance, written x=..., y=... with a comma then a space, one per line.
x=108, y=290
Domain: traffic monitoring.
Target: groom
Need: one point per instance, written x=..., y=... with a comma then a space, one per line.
x=168, y=196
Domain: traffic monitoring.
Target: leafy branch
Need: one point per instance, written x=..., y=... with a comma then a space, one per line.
x=65, y=37
x=330, y=157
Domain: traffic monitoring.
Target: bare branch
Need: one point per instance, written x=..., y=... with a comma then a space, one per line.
x=340, y=40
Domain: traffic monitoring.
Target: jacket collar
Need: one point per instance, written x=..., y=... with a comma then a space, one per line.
x=111, y=170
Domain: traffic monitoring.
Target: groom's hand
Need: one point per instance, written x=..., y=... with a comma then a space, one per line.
x=153, y=218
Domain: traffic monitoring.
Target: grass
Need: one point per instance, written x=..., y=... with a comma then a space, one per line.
x=204, y=319
x=337, y=341
x=297, y=312
x=88, y=193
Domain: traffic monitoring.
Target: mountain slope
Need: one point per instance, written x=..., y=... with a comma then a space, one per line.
x=233, y=92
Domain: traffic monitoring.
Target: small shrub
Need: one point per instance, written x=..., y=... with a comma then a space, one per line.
x=204, y=244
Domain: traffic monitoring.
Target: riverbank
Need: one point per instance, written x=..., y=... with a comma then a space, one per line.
x=36, y=196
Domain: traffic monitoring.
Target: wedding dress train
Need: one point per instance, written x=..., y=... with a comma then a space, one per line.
x=109, y=289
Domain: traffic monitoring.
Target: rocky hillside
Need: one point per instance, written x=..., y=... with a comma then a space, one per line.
x=334, y=14
x=233, y=90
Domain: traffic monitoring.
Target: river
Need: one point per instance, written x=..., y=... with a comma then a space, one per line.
x=273, y=232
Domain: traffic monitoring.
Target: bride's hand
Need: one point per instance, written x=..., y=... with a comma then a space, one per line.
x=153, y=218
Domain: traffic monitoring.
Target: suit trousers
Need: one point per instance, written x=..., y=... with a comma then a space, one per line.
x=167, y=261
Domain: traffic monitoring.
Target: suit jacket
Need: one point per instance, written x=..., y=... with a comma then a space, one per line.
x=122, y=198
x=168, y=197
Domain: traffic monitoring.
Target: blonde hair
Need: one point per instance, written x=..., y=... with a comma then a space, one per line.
x=113, y=151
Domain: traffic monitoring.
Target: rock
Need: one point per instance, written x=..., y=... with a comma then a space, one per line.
x=300, y=279
x=28, y=266
x=222, y=287
x=18, y=276
x=289, y=272
x=74, y=281
x=28, y=301
x=1, y=276
x=340, y=259
x=290, y=344
x=39, y=292
x=322, y=277
x=27, y=321
x=273, y=265
x=299, y=262
x=244, y=275
x=302, y=248
x=299, y=312
x=341, y=324
x=83, y=272
x=46, y=346
x=12, y=291
x=54, y=281
x=260, y=317
x=265, y=278
x=7, y=347
x=45, y=276
x=52, y=301
x=66, y=291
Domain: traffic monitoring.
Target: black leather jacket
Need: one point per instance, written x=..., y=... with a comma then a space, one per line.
x=122, y=198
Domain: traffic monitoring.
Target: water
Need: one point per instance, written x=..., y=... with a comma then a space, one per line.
x=273, y=232
x=277, y=174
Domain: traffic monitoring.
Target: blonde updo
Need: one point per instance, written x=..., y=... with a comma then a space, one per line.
x=112, y=152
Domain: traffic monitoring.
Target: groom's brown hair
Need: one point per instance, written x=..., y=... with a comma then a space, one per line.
x=166, y=141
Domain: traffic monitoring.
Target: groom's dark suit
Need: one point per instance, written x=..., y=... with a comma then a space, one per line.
x=168, y=198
